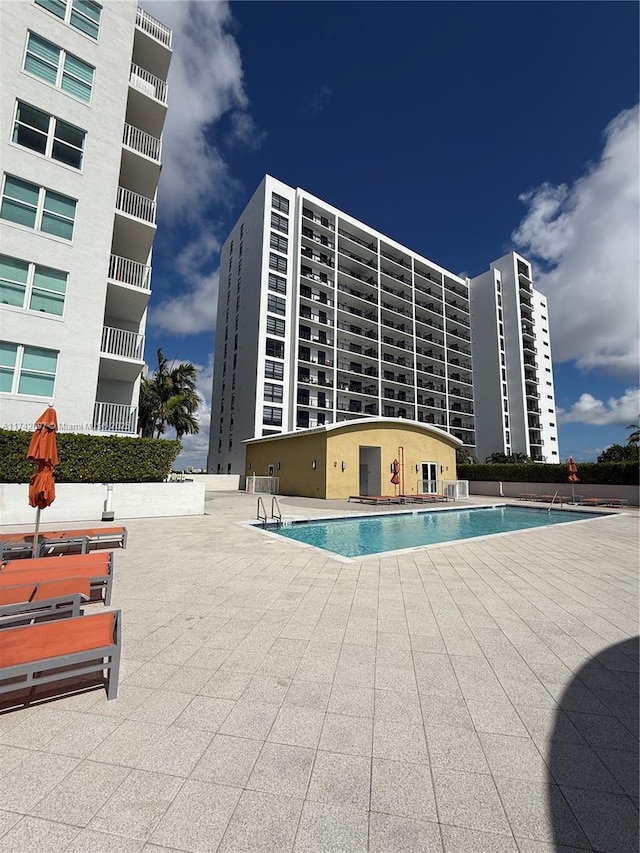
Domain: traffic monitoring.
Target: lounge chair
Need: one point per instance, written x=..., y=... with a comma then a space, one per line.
x=377, y=499
x=426, y=498
x=593, y=502
x=96, y=567
x=47, y=652
x=617, y=502
x=25, y=603
x=16, y=545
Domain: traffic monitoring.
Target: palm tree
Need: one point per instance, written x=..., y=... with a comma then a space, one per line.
x=168, y=399
x=634, y=437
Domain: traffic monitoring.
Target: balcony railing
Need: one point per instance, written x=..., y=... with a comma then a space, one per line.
x=153, y=27
x=142, y=142
x=122, y=343
x=136, y=205
x=148, y=83
x=129, y=272
x=114, y=417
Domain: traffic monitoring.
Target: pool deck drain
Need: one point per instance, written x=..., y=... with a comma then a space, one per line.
x=475, y=696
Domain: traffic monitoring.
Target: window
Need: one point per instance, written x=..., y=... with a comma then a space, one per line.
x=280, y=223
x=277, y=263
x=37, y=208
x=48, y=135
x=275, y=349
x=272, y=416
x=58, y=68
x=274, y=370
x=81, y=14
x=27, y=370
x=272, y=393
x=276, y=283
x=275, y=326
x=277, y=305
x=279, y=203
x=32, y=286
x=281, y=244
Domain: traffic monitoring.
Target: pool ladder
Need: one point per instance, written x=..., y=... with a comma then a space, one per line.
x=276, y=513
x=552, y=502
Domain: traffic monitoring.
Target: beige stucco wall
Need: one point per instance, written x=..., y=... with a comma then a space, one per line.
x=295, y=455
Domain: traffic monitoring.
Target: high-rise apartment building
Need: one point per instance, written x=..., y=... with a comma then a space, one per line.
x=512, y=368
x=322, y=319
x=83, y=103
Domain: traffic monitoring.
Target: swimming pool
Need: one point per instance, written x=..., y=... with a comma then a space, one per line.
x=373, y=534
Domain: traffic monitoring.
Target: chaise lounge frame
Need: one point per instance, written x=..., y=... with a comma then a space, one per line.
x=55, y=542
x=96, y=567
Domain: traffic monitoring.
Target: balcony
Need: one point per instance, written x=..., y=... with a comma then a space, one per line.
x=122, y=343
x=141, y=142
x=154, y=28
x=136, y=205
x=148, y=84
x=128, y=290
x=115, y=418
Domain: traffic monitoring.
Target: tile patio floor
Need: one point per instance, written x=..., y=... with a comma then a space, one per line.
x=275, y=699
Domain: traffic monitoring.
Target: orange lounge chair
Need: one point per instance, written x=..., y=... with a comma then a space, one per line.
x=24, y=603
x=16, y=545
x=426, y=498
x=47, y=652
x=376, y=499
x=96, y=567
x=593, y=502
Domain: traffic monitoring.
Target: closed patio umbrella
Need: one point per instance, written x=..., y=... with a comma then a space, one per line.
x=395, y=472
x=572, y=470
x=43, y=450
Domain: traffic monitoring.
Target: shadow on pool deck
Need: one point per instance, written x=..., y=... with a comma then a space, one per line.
x=594, y=758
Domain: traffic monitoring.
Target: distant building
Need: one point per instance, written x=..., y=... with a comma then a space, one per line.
x=324, y=320
x=83, y=103
x=512, y=368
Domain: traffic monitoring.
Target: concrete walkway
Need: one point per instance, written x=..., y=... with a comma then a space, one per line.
x=467, y=698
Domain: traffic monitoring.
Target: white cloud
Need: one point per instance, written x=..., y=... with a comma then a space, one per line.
x=585, y=239
x=589, y=410
x=205, y=83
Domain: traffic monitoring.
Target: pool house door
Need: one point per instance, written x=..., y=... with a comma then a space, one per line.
x=429, y=484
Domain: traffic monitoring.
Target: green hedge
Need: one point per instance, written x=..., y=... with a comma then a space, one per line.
x=91, y=458
x=590, y=473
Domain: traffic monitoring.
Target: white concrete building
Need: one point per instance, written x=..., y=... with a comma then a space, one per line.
x=322, y=319
x=83, y=104
x=512, y=368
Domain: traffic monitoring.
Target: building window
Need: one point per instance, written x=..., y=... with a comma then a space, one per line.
x=27, y=370
x=274, y=370
x=26, y=285
x=38, y=208
x=58, y=68
x=275, y=349
x=275, y=326
x=277, y=305
x=281, y=244
x=279, y=203
x=272, y=416
x=279, y=285
x=81, y=14
x=280, y=223
x=48, y=135
x=272, y=393
x=277, y=263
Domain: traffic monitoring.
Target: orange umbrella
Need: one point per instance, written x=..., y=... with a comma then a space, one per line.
x=572, y=469
x=395, y=471
x=43, y=450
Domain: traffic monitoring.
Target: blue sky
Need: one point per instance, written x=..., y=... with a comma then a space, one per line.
x=462, y=130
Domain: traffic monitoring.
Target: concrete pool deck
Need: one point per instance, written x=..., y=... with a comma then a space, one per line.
x=475, y=697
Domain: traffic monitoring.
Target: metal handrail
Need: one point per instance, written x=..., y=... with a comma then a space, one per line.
x=263, y=517
x=275, y=506
x=553, y=500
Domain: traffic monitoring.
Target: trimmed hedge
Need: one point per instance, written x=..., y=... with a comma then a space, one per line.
x=91, y=458
x=590, y=473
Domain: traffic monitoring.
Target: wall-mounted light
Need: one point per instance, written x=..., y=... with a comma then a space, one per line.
x=279, y=463
x=314, y=464
x=249, y=466
x=441, y=468
x=417, y=469
x=344, y=466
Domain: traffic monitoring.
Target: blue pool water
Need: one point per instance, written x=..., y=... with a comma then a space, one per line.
x=356, y=537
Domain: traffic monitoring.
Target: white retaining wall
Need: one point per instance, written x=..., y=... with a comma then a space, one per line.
x=87, y=501
x=513, y=490
x=216, y=482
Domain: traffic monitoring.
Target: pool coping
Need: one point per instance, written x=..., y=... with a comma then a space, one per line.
x=255, y=524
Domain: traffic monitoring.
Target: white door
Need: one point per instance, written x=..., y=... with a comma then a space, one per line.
x=429, y=478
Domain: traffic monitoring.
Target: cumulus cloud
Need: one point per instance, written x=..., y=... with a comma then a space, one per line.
x=584, y=241
x=205, y=84
x=588, y=410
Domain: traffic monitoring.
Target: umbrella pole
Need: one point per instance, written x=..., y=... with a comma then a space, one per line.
x=34, y=552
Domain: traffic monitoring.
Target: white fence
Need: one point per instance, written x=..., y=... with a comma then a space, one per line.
x=136, y=205
x=456, y=490
x=263, y=485
x=129, y=272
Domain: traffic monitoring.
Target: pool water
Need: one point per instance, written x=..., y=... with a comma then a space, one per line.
x=357, y=537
